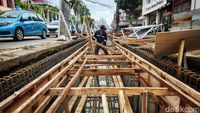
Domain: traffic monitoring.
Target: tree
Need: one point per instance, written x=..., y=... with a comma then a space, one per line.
x=129, y=7
x=80, y=10
x=77, y=5
x=19, y=3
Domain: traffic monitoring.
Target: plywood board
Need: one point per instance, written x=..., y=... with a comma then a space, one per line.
x=168, y=42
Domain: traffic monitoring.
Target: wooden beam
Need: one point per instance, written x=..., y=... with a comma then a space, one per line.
x=66, y=105
x=74, y=97
x=106, y=62
x=122, y=102
x=105, y=103
x=44, y=103
x=118, y=83
x=192, y=96
x=19, y=97
x=144, y=102
x=107, y=72
x=53, y=108
x=161, y=101
x=105, y=47
x=81, y=36
x=101, y=45
x=83, y=98
x=180, y=53
x=36, y=96
x=93, y=91
x=104, y=56
x=89, y=33
x=128, y=105
x=180, y=56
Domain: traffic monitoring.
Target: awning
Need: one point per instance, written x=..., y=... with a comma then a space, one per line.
x=4, y=8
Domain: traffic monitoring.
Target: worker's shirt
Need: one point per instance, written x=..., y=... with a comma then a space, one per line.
x=101, y=37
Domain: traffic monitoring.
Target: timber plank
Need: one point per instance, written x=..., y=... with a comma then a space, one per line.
x=93, y=91
x=65, y=91
x=168, y=42
x=107, y=72
x=105, y=103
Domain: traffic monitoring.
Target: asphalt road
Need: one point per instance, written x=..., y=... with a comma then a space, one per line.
x=7, y=43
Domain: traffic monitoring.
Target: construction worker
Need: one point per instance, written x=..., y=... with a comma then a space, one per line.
x=101, y=37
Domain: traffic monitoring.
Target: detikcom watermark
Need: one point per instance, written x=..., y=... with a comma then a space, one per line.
x=182, y=109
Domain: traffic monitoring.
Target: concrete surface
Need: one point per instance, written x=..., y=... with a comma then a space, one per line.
x=9, y=43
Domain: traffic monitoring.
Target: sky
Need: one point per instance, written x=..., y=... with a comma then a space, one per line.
x=97, y=11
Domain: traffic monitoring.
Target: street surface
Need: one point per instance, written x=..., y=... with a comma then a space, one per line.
x=9, y=43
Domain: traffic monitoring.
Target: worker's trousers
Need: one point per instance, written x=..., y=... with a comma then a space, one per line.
x=97, y=49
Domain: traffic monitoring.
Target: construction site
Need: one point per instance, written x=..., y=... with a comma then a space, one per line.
x=152, y=74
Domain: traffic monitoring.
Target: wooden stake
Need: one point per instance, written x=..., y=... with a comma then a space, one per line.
x=122, y=102
x=89, y=32
x=145, y=102
x=180, y=55
x=66, y=105
x=105, y=103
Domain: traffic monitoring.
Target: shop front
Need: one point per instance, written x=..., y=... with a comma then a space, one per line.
x=152, y=11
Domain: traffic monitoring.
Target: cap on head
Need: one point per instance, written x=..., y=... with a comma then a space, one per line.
x=103, y=27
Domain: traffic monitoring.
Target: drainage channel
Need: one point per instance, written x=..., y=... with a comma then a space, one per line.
x=20, y=75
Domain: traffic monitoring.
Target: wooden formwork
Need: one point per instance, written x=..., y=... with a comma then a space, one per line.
x=52, y=89
x=56, y=91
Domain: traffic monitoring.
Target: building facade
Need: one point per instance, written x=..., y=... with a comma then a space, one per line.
x=186, y=14
x=7, y=3
x=173, y=14
x=157, y=12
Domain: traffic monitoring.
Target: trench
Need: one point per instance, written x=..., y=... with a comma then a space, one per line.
x=16, y=77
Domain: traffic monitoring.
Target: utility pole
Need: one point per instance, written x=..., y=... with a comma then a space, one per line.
x=117, y=17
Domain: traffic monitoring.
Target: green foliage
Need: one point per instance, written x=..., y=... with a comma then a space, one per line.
x=19, y=3
x=80, y=9
x=91, y=20
x=35, y=7
x=129, y=7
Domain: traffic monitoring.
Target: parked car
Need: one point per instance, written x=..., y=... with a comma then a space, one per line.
x=20, y=23
x=53, y=28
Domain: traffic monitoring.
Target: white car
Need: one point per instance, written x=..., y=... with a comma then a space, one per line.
x=53, y=28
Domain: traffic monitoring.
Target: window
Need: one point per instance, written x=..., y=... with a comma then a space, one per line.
x=34, y=17
x=40, y=17
x=26, y=16
x=10, y=14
